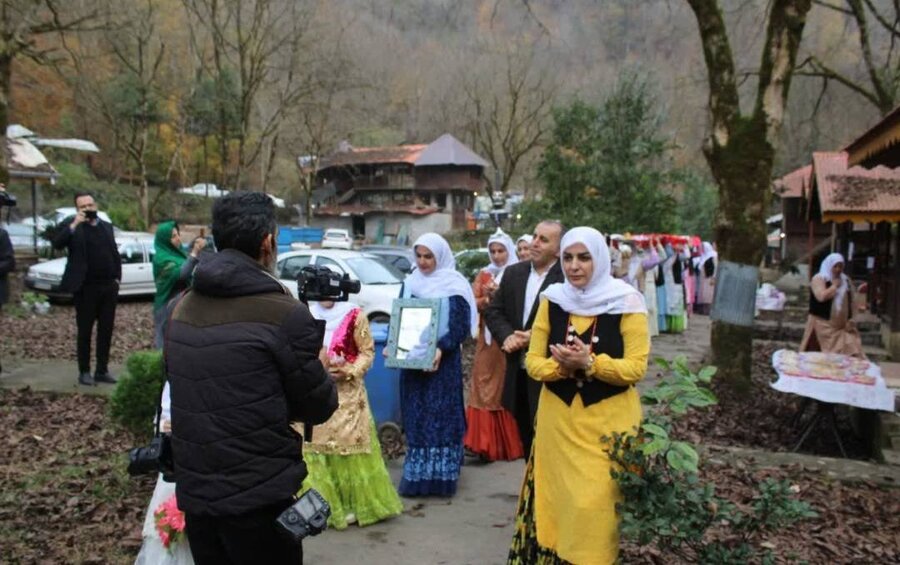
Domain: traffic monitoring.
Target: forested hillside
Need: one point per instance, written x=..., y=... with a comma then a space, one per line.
x=231, y=92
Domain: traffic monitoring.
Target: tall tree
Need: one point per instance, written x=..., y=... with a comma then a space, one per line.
x=263, y=43
x=22, y=24
x=509, y=107
x=607, y=166
x=133, y=96
x=878, y=35
x=740, y=150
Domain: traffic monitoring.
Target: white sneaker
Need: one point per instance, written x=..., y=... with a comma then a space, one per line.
x=351, y=518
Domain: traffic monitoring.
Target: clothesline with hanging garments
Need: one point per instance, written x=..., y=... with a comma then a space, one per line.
x=644, y=239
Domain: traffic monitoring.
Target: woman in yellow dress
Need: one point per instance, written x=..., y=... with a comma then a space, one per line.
x=589, y=346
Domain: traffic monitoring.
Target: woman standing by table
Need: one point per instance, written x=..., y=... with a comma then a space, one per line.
x=589, y=346
x=491, y=431
x=431, y=401
x=829, y=326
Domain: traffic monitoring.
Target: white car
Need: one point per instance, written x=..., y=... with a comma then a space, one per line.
x=136, y=251
x=55, y=217
x=337, y=239
x=380, y=284
x=22, y=236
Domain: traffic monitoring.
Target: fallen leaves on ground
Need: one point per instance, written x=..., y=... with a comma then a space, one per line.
x=857, y=523
x=66, y=497
x=52, y=336
x=762, y=417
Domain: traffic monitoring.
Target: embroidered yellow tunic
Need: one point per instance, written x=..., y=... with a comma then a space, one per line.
x=348, y=430
x=575, y=496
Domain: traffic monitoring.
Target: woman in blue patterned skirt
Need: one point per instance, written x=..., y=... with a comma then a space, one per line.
x=432, y=401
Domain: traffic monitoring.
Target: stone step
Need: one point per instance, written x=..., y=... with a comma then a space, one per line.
x=869, y=338
x=787, y=330
x=875, y=353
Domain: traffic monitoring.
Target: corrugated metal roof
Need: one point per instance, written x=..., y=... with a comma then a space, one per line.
x=793, y=184
x=373, y=155
x=447, y=150
x=17, y=130
x=855, y=193
x=24, y=160
x=879, y=138
x=359, y=209
x=76, y=144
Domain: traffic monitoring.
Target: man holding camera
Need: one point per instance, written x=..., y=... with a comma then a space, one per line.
x=93, y=272
x=243, y=362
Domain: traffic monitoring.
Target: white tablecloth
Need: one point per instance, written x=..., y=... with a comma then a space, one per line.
x=874, y=396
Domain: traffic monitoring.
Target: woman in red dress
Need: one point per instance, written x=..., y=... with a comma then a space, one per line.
x=491, y=431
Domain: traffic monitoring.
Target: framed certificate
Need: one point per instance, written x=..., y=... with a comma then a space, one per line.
x=413, y=335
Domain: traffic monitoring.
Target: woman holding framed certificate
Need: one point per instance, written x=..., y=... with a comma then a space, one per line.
x=431, y=399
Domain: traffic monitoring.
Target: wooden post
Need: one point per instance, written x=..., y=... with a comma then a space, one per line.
x=34, y=215
x=809, y=249
x=894, y=302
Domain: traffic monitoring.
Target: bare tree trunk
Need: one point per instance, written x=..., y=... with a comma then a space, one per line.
x=270, y=162
x=740, y=151
x=5, y=89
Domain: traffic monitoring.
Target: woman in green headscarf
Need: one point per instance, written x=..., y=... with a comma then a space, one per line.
x=171, y=270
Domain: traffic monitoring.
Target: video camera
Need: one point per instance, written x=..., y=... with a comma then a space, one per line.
x=153, y=458
x=321, y=283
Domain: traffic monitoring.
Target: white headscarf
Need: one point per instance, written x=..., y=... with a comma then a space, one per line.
x=708, y=253
x=332, y=316
x=825, y=272
x=511, y=257
x=527, y=239
x=444, y=281
x=603, y=294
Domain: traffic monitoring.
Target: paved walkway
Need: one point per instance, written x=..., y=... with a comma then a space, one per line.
x=476, y=526
x=693, y=343
x=51, y=375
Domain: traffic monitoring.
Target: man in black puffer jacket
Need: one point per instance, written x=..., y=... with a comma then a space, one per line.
x=242, y=357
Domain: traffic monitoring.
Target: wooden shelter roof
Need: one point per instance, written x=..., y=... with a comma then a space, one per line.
x=793, y=184
x=879, y=145
x=854, y=194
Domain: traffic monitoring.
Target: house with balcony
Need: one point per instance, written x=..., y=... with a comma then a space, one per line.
x=394, y=194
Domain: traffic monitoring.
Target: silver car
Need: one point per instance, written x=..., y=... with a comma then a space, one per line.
x=136, y=252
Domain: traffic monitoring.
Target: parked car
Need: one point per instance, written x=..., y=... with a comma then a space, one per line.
x=380, y=283
x=401, y=258
x=55, y=217
x=21, y=236
x=470, y=261
x=136, y=251
x=337, y=239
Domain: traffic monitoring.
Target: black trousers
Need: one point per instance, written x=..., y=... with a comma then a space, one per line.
x=250, y=538
x=528, y=392
x=95, y=302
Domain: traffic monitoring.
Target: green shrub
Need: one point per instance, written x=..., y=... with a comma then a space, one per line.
x=666, y=502
x=471, y=262
x=134, y=400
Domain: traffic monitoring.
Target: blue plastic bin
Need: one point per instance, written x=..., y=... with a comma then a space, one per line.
x=383, y=383
x=297, y=234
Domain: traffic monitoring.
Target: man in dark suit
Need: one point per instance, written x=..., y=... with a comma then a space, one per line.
x=93, y=272
x=510, y=315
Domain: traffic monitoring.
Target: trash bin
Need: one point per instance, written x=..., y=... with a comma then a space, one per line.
x=383, y=388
